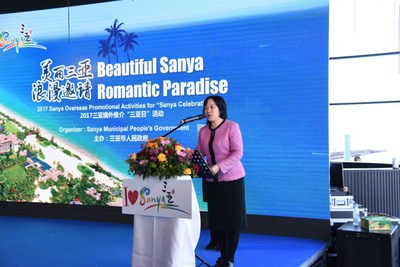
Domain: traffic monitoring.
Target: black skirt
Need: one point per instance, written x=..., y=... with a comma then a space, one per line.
x=226, y=205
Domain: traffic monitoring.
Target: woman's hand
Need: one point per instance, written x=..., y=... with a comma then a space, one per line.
x=215, y=169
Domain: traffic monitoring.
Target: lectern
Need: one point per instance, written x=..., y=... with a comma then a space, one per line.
x=165, y=233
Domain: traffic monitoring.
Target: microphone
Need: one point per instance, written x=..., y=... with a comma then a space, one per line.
x=194, y=118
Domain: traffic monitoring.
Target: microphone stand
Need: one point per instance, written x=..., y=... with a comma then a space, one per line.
x=174, y=129
x=202, y=261
x=183, y=122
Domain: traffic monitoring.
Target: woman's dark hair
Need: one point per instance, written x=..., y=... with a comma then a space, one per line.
x=220, y=102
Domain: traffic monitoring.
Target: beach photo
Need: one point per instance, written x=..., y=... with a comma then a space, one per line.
x=39, y=167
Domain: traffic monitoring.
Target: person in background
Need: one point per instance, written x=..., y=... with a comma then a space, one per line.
x=220, y=141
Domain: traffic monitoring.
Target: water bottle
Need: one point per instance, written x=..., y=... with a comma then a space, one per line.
x=356, y=215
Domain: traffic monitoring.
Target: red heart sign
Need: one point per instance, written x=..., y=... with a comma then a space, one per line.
x=133, y=196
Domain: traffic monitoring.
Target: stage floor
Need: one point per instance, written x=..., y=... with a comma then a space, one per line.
x=39, y=242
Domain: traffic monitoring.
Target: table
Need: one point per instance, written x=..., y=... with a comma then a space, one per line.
x=359, y=247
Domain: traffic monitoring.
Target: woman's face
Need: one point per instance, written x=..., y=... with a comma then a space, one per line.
x=211, y=111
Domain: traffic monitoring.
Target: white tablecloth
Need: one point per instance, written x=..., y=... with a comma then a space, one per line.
x=166, y=242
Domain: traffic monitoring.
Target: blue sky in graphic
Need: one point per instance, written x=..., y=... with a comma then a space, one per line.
x=146, y=15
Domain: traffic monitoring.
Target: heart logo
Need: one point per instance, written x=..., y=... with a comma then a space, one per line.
x=133, y=196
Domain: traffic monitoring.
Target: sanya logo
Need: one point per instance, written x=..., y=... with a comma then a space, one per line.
x=151, y=200
x=8, y=42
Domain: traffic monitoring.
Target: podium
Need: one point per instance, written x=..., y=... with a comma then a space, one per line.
x=164, y=234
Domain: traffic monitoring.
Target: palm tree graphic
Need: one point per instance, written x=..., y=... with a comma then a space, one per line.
x=116, y=34
x=118, y=37
x=106, y=49
x=128, y=42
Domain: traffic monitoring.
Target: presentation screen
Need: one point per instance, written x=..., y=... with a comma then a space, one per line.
x=84, y=87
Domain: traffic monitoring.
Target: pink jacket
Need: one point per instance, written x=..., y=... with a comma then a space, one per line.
x=228, y=150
